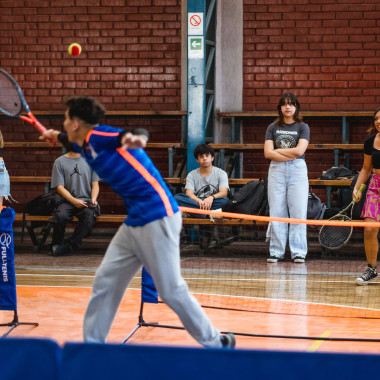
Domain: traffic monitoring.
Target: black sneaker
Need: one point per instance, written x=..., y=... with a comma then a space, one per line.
x=369, y=275
x=228, y=340
x=272, y=259
x=60, y=250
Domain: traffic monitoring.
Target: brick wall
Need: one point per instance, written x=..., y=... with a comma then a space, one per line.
x=131, y=55
x=130, y=59
x=325, y=51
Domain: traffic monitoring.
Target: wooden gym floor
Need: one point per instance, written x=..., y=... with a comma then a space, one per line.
x=54, y=292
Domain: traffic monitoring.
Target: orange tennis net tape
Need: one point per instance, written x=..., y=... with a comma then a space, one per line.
x=313, y=222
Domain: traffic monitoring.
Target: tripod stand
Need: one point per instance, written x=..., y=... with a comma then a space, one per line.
x=142, y=323
x=15, y=323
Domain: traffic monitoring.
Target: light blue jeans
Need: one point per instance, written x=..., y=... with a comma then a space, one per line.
x=288, y=188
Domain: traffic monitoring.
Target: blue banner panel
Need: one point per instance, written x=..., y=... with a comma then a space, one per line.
x=120, y=362
x=29, y=359
x=148, y=289
x=8, y=298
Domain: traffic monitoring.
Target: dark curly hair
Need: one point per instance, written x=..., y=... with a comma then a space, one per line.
x=203, y=149
x=86, y=108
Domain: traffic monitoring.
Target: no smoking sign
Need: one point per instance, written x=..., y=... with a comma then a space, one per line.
x=195, y=24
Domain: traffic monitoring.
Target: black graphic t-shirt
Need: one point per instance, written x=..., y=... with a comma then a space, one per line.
x=287, y=137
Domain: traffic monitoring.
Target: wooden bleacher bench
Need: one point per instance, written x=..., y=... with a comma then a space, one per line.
x=310, y=146
x=121, y=113
x=237, y=117
x=248, y=114
x=234, y=182
x=42, y=144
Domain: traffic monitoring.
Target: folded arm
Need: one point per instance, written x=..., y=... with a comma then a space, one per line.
x=283, y=155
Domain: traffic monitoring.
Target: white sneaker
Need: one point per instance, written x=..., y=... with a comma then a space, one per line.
x=299, y=259
x=272, y=259
x=212, y=217
x=368, y=276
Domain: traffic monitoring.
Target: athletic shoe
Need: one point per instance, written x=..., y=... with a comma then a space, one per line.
x=60, y=250
x=272, y=259
x=369, y=275
x=228, y=340
x=299, y=259
x=212, y=217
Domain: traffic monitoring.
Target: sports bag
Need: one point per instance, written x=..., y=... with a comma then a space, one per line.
x=249, y=199
x=44, y=204
x=315, y=208
x=337, y=172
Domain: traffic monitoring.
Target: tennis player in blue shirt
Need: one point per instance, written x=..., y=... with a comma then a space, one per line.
x=149, y=236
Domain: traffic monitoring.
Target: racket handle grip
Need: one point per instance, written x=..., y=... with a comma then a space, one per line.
x=39, y=127
x=360, y=190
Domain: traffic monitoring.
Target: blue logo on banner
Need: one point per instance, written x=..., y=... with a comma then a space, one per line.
x=8, y=299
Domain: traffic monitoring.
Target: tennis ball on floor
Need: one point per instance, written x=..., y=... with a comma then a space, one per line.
x=74, y=49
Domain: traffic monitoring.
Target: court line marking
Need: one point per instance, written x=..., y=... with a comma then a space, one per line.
x=205, y=294
x=63, y=286
x=194, y=278
x=314, y=347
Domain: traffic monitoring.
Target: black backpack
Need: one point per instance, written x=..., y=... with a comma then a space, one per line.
x=315, y=208
x=43, y=204
x=249, y=199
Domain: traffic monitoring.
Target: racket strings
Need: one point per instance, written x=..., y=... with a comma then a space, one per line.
x=334, y=237
x=10, y=102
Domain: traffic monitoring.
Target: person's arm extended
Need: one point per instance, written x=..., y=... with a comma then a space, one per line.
x=66, y=194
x=94, y=192
x=364, y=174
x=134, y=139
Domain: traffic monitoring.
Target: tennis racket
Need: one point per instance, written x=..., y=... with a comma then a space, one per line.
x=12, y=101
x=335, y=237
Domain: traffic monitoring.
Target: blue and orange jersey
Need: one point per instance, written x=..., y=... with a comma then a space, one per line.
x=131, y=174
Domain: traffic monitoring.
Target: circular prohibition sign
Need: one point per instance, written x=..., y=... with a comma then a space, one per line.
x=195, y=20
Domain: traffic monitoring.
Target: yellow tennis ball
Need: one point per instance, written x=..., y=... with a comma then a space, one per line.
x=74, y=49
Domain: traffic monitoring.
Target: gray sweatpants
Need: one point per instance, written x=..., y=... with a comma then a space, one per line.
x=156, y=247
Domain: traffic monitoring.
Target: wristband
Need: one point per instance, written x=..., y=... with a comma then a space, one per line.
x=213, y=197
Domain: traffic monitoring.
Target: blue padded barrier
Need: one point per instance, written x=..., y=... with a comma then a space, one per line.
x=117, y=362
x=29, y=359
x=32, y=359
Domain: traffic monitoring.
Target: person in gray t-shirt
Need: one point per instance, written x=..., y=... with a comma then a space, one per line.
x=79, y=185
x=206, y=187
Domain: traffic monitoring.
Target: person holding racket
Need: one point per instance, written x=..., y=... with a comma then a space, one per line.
x=371, y=209
x=286, y=141
x=149, y=236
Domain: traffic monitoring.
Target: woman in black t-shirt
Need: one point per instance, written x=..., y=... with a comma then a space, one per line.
x=371, y=209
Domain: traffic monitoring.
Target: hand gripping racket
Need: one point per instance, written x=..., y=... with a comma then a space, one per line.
x=12, y=101
x=335, y=237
